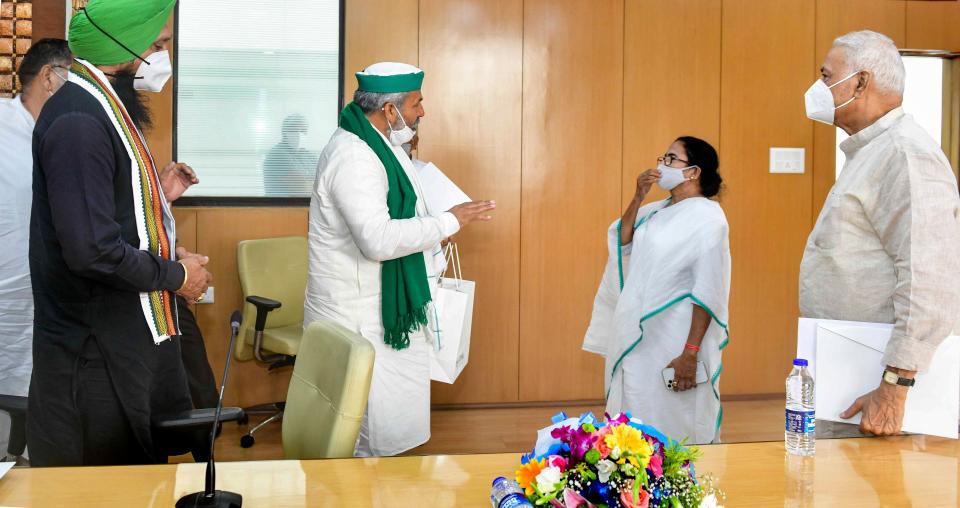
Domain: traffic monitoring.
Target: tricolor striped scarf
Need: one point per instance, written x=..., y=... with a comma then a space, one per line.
x=155, y=224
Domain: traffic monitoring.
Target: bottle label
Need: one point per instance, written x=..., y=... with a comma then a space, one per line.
x=802, y=422
x=515, y=501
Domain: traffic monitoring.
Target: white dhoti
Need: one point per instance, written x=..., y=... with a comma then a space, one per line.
x=643, y=311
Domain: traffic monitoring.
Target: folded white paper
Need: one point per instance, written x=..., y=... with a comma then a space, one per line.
x=5, y=466
x=846, y=362
x=440, y=193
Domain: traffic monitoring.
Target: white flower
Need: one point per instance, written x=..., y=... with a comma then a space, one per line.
x=615, y=453
x=549, y=479
x=710, y=501
x=605, y=468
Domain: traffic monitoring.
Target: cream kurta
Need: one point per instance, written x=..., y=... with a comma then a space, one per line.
x=16, y=297
x=886, y=247
x=351, y=232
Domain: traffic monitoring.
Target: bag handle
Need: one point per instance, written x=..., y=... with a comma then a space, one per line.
x=452, y=256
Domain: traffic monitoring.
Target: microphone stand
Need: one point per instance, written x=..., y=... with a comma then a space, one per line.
x=210, y=497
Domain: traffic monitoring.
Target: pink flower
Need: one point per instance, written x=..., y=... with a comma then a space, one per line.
x=626, y=496
x=573, y=500
x=557, y=462
x=600, y=445
x=656, y=464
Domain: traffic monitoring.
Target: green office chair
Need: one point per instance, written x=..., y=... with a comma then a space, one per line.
x=328, y=393
x=273, y=276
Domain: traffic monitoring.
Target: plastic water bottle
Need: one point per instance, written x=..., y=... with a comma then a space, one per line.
x=800, y=435
x=507, y=494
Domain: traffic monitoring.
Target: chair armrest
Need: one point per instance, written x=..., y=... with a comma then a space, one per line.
x=196, y=418
x=264, y=306
x=13, y=404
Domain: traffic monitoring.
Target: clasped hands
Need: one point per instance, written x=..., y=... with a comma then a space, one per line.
x=198, y=278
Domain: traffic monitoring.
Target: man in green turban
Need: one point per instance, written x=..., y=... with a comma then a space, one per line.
x=375, y=253
x=102, y=239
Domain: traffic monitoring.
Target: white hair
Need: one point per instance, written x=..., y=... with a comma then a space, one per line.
x=375, y=101
x=871, y=51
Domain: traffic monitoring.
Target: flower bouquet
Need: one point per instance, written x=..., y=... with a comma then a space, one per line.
x=620, y=463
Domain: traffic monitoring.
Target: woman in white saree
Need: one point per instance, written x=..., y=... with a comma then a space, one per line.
x=662, y=302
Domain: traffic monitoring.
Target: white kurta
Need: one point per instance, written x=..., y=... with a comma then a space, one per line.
x=16, y=297
x=886, y=247
x=351, y=232
x=679, y=257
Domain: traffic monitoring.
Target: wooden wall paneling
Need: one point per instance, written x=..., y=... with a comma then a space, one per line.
x=836, y=18
x=933, y=25
x=49, y=19
x=767, y=56
x=472, y=132
x=218, y=232
x=377, y=31
x=671, y=85
x=572, y=127
x=186, y=227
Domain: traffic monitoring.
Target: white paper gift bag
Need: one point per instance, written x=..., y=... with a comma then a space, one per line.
x=453, y=319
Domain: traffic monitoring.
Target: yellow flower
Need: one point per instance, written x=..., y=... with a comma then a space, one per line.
x=527, y=474
x=631, y=442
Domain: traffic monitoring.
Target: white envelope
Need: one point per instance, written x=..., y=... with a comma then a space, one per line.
x=846, y=362
x=439, y=191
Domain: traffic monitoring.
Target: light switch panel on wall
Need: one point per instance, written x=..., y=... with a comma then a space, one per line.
x=787, y=160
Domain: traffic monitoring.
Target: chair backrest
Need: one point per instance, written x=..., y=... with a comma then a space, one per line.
x=328, y=393
x=274, y=268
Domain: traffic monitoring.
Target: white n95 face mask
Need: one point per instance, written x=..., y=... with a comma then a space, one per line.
x=819, y=100
x=151, y=78
x=403, y=135
x=671, y=177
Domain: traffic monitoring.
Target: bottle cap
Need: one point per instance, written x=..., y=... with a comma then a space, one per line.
x=800, y=362
x=497, y=480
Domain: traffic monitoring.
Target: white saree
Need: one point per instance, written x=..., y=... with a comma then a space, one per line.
x=679, y=257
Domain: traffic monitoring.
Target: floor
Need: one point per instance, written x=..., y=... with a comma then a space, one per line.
x=458, y=431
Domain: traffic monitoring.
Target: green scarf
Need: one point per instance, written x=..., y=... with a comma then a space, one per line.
x=405, y=291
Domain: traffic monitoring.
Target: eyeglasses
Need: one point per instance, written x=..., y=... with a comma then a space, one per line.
x=669, y=159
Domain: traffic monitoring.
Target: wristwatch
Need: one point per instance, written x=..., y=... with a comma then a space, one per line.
x=894, y=379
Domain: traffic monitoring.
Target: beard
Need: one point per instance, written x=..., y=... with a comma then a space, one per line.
x=133, y=100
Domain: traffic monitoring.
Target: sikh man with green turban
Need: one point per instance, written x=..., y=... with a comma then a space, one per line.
x=102, y=251
x=374, y=254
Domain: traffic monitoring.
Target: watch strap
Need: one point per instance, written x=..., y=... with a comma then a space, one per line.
x=895, y=379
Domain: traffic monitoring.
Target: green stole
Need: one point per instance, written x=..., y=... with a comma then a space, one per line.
x=405, y=291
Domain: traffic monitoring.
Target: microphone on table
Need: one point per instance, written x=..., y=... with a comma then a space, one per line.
x=210, y=497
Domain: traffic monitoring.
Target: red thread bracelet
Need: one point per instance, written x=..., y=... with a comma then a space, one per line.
x=691, y=347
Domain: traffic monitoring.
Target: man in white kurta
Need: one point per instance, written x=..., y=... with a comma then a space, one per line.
x=352, y=234
x=42, y=72
x=886, y=247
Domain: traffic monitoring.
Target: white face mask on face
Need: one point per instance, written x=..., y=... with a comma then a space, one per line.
x=671, y=177
x=60, y=83
x=402, y=135
x=819, y=100
x=152, y=77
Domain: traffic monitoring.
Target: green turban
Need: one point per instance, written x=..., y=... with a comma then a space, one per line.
x=134, y=23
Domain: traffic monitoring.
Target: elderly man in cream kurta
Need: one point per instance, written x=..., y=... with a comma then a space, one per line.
x=374, y=254
x=886, y=247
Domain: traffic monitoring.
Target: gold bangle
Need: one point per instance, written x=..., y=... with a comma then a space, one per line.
x=186, y=276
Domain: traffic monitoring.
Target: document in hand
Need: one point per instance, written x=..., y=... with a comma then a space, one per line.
x=846, y=362
x=440, y=193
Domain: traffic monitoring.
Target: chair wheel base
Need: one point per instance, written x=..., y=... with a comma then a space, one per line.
x=247, y=441
x=243, y=420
